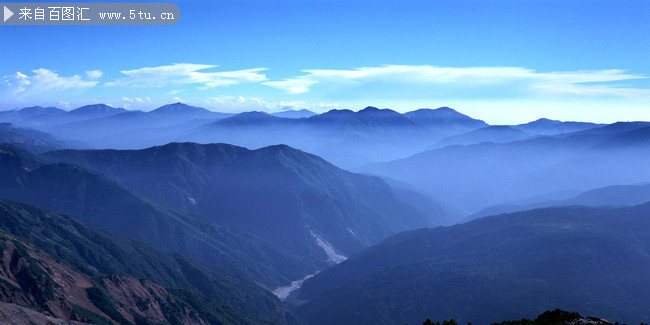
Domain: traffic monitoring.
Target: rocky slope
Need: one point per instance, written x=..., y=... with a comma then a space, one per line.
x=33, y=279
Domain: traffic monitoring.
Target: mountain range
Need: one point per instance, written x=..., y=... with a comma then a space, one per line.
x=479, y=175
x=184, y=215
x=360, y=137
x=343, y=137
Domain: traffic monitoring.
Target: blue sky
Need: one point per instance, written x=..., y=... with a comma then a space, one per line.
x=502, y=61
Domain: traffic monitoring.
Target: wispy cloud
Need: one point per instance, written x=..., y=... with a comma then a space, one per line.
x=294, y=86
x=136, y=100
x=94, y=74
x=581, y=82
x=41, y=81
x=175, y=91
x=242, y=104
x=187, y=73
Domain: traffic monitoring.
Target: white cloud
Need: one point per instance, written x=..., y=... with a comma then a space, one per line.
x=18, y=82
x=94, y=74
x=43, y=80
x=63, y=104
x=243, y=104
x=329, y=105
x=136, y=100
x=187, y=73
x=474, y=78
x=175, y=91
x=594, y=91
x=294, y=86
x=237, y=103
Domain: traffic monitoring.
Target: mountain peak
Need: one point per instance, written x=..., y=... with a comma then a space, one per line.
x=249, y=118
x=338, y=112
x=445, y=118
x=303, y=113
x=97, y=109
x=440, y=112
x=375, y=110
x=544, y=121
x=445, y=109
x=37, y=110
x=179, y=107
x=252, y=116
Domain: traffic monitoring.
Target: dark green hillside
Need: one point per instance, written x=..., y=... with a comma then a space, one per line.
x=591, y=260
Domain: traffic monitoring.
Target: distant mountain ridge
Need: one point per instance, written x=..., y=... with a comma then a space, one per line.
x=96, y=110
x=303, y=113
x=365, y=136
x=184, y=111
x=483, y=174
x=30, y=140
x=448, y=119
x=343, y=137
x=614, y=195
x=544, y=126
x=368, y=135
x=494, y=134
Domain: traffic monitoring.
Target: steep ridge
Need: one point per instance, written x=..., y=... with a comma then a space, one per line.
x=293, y=193
x=96, y=253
